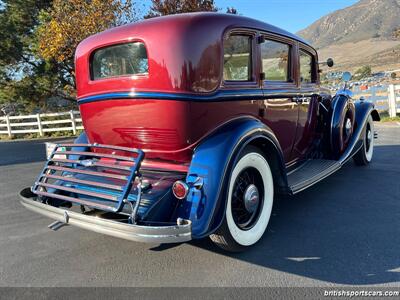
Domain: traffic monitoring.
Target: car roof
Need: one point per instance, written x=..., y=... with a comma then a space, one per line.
x=209, y=19
x=184, y=52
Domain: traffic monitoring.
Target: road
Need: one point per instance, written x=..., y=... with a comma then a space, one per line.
x=343, y=231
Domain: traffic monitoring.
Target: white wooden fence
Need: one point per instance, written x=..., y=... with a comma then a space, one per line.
x=72, y=121
x=41, y=123
x=386, y=98
x=393, y=100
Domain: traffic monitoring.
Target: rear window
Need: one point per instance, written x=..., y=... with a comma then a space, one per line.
x=119, y=60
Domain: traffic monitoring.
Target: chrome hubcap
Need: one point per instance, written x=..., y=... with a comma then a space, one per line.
x=251, y=198
x=369, y=135
x=247, y=198
x=348, y=126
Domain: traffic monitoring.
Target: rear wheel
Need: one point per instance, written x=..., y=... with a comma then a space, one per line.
x=364, y=156
x=249, y=203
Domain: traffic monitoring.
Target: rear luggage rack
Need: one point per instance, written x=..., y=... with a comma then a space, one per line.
x=101, y=177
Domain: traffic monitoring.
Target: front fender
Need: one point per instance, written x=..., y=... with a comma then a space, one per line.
x=342, y=106
x=363, y=110
x=212, y=160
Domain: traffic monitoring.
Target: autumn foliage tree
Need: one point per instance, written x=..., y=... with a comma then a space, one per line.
x=38, y=41
x=68, y=22
x=396, y=33
x=39, y=38
x=231, y=10
x=170, y=7
x=23, y=77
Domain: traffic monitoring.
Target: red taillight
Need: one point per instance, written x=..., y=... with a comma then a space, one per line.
x=180, y=189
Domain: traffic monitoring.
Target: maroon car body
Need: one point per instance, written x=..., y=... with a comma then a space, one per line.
x=213, y=115
x=185, y=57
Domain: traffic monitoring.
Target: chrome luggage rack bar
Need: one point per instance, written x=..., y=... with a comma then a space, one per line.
x=120, y=172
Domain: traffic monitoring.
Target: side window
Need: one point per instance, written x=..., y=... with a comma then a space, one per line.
x=237, y=58
x=306, y=67
x=275, y=61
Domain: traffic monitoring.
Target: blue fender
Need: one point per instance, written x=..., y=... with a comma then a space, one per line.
x=213, y=160
x=341, y=105
x=363, y=110
x=81, y=139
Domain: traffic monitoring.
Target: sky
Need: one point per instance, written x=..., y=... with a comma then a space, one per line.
x=291, y=15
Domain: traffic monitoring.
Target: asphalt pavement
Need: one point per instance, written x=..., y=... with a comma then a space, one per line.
x=343, y=231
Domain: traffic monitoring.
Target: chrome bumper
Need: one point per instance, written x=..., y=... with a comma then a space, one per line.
x=139, y=233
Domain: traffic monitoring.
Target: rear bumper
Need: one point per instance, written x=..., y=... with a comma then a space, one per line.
x=139, y=233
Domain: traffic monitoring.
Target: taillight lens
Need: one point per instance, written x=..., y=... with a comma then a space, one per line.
x=180, y=189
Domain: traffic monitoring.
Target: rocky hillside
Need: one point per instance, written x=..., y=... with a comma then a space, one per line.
x=370, y=24
x=364, y=20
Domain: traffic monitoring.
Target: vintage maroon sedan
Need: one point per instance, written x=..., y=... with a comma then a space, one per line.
x=193, y=124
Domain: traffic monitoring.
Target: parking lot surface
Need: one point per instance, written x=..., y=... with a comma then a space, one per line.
x=343, y=231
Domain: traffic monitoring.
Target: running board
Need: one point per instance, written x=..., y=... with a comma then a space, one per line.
x=311, y=172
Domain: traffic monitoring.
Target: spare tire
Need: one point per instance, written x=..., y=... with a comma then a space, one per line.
x=342, y=124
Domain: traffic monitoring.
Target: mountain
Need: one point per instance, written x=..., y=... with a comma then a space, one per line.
x=358, y=34
x=364, y=20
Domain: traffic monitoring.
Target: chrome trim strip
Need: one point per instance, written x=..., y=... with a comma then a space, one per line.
x=80, y=171
x=95, y=164
x=77, y=191
x=102, y=155
x=224, y=94
x=139, y=233
x=87, y=182
x=220, y=95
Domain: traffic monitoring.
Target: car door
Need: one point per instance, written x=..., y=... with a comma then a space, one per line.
x=279, y=89
x=307, y=102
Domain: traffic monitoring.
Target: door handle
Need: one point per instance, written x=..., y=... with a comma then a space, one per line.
x=305, y=100
x=297, y=100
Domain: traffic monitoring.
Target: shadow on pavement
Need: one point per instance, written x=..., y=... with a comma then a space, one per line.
x=343, y=230
x=28, y=151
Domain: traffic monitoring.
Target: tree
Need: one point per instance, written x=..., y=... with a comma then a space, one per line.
x=19, y=67
x=67, y=23
x=170, y=7
x=231, y=10
x=396, y=33
x=38, y=41
x=363, y=72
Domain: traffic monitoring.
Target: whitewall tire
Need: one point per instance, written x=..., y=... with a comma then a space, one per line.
x=364, y=156
x=249, y=202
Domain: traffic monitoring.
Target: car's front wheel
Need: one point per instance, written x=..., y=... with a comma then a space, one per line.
x=364, y=156
x=249, y=203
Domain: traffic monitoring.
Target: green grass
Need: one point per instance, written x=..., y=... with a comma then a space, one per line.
x=389, y=119
x=385, y=118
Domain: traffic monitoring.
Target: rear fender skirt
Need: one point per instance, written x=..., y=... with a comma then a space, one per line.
x=213, y=160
